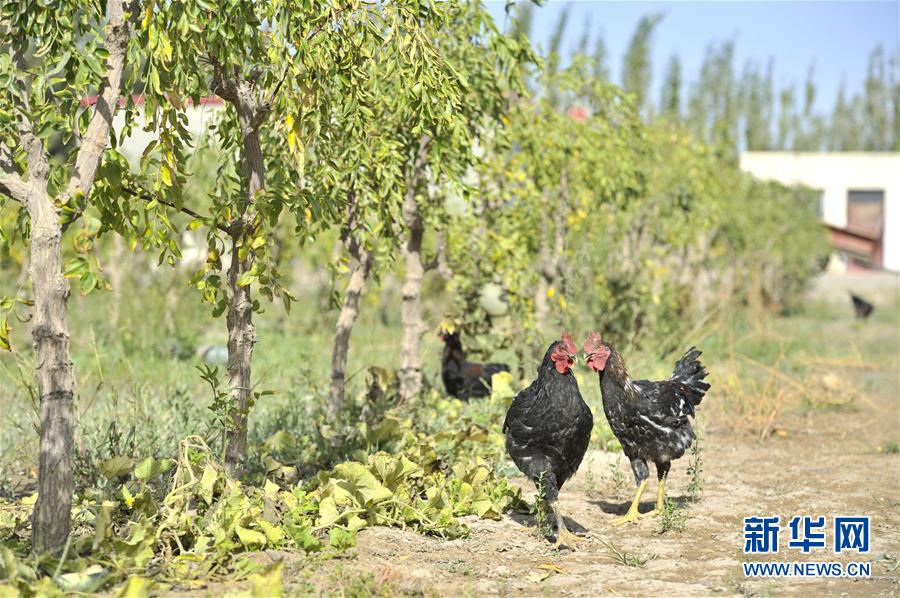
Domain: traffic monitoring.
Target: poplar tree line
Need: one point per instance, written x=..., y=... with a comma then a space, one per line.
x=740, y=107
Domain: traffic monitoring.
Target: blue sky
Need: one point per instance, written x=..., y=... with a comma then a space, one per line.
x=838, y=36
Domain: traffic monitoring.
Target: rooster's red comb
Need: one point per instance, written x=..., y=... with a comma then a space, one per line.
x=592, y=342
x=569, y=343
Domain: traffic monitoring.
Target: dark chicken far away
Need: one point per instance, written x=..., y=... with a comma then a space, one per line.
x=548, y=425
x=464, y=379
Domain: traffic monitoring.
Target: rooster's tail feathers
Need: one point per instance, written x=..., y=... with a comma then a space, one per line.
x=691, y=372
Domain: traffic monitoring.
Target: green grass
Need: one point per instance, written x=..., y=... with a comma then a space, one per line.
x=625, y=558
x=139, y=371
x=889, y=448
x=140, y=392
x=672, y=518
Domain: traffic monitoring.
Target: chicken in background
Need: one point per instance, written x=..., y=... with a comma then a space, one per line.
x=862, y=307
x=464, y=379
x=650, y=419
x=548, y=429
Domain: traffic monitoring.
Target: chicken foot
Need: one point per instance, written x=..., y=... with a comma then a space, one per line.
x=563, y=536
x=632, y=515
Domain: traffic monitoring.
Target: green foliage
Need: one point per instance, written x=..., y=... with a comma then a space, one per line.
x=590, y=483
x=635, y=227
x=628, y=559
x=184, y=521
x=695, y=471
x=541, y=512
x=618, y=476
x=890, y=447
x=672, y=518
x=636, y=67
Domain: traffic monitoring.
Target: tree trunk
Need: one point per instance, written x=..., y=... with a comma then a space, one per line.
x=51, y=519
x=241, y=337
x=239, y=318
x=410, y=314
x=410, y=311
x=55, y=380
x=346, y=320
x=352, y=240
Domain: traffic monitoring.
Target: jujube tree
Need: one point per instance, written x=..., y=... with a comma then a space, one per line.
x=56, y=56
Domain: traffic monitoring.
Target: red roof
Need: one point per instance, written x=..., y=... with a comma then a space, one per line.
x=578, y=113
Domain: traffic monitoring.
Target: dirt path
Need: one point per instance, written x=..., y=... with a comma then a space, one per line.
x=825, y=463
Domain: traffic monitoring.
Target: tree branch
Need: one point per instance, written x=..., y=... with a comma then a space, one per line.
x=12, y=186
x=410, y=213
x=38, y=165
x=118, y=32
x=184, y=210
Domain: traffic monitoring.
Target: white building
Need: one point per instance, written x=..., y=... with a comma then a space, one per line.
x=860, y=199
x=199, y=118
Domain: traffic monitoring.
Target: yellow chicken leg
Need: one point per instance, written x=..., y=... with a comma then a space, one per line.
x=632, y=515
x=661, y=496
x=563, y=536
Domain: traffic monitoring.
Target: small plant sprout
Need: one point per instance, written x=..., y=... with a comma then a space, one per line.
x=589, y=481
x=695, y=471
x=622, y=557
x=618, y=476
x=540, y=512
x=672, y=518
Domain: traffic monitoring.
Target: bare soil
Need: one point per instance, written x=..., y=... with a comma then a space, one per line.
x=822, y=463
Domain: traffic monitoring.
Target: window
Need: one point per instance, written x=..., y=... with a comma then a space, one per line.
x=865, y=212
x=865, y=218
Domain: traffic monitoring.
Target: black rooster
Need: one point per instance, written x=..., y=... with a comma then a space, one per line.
x=548, y=428
x=862, y=307
x=650, y=419
x=464, y=379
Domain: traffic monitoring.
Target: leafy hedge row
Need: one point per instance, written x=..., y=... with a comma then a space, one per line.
x=636, y=228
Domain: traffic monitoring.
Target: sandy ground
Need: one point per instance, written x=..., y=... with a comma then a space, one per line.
x=825, y=463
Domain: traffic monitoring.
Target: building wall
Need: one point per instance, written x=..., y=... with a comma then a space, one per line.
x=834, y=174
x=199, y=118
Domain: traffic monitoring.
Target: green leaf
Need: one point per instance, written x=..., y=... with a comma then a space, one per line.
x=150, y=468
x=88, y=282
x=83, y=581
x=135, y=587
x=208, y=483
x=341, y=539
x=251, y=539
x=268, y=583
x=328, y=513
x=4, y=334
x=115, y=467
x=364, y=482
x=274, y=535
x=245, y=279
x=76, y=267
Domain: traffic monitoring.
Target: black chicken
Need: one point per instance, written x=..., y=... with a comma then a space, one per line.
x=650, y=419
x=464, y=379
x=862, y=307
x=548, y=428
